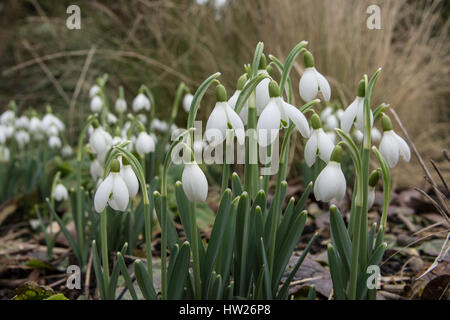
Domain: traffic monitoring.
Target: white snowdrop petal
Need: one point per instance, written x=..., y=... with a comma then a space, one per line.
x=194, y=181
x=236, y=124
x=389, y=148
x=130, y=179
x=216, y=125
x=268, y=123
x=262, y=94
x=308, y=85
x=311, y=149
x=324, y=145
x=102, y=194
x=187, y=100
x=120, y=194
x=298, y=118
x=370, y=197
x=403, y=148
x=349, y=115
x=323, y=85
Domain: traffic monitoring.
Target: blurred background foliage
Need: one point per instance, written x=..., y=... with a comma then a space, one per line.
x=162, y=42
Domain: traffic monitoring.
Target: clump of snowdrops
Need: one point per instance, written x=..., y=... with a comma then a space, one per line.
x=256, y=229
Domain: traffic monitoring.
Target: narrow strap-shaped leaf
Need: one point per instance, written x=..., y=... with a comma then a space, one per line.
x=172, y=235
x=247, y=90
x=373, y=261
x=256, y=57
x=217, y=233
x=302, y=201
x=286, y=249
x=285, y=223
x=242, y=241
x=379, y=111
x=217, y=288
x=267, y=291
x=173, y=258
x=341, y=236
x=312, y=292
x=338, y=287
x=371, y=240
x=300, y=47
x=115, y=275
x=228, y=292
x=98, y=271
x=179, y=273
x=126, y=275
x=143, y=280
x=236, y=185
x=73, y=244
x=259, y=285
x=283, y=293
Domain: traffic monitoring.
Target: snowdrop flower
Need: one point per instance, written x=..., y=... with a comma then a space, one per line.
x=96, y=104
x=262, y=89
x=331, y=122
x=113, y=191
x=100, y=141
x=35, y=125
x=276, y=113
x=66, y=151
x=7, y=117
x=51, y=131
x=232, y=101
x=142, y=118
x=60, y=193
x=144, y=143
x=223, y=117
x=375, y=135
x=159, y=125
x=49, y=119
x=328, y=111
x=128, y=175
x=392, y=145
x=96, y=169
x=4, y=154
x=356, y=111
x=22, y=138
x=330, y=184
x=121, y=105
x=7, y=130
x=112, y=119
x=194, y=181
x=54, y=142
x=23, y=122
x=318, y=142
x=312, y=81
x=94, y=90
x=187, y=100
x=141, y=102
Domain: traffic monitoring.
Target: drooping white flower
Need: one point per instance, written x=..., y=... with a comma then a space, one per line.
x=49, y=119
x=318, y=143
x=51, y=131
x=312, y=81
x=96, y=104
x=223, y=117
x=7, y=117
x=100, y=141
x=187, y=100
x=392, y=146
x=35, y=125
x=130, y=179
x=278, y=113
x=121, y=105
x=96, y=169
x=141, y=102
x=113, y=191
x=112, y=119
x=7, y=130
x=330, y=184
x=144, y=143
x=66, y=151
x=4, y=154
x=60, y=193
x=22, y=122
x=194, y=181
x=159, y=125
x=54, y=142
x=355, y=111
x=94, y=90
x=262, y=93
x=22, y=137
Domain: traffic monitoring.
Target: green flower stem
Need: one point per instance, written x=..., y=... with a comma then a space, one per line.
x=104, y=237
x=79, y=209
x=355, y=255
x=226, y=166
x=251, y=158
x=164, y=246
x=195, y=253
